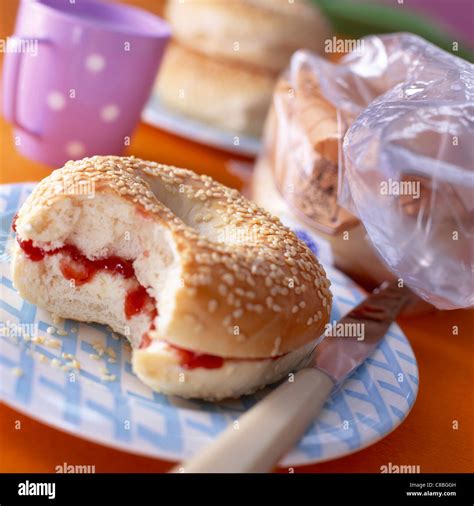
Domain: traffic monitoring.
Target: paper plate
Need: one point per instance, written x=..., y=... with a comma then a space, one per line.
x=127, y=415
x=158, y=115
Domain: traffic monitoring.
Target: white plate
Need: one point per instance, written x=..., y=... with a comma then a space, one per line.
x=127, y=415
x=158, y=115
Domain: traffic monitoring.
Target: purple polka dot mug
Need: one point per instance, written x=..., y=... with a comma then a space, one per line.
x=77, y=74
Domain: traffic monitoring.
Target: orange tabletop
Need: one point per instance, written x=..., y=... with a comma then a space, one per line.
x=437, y=435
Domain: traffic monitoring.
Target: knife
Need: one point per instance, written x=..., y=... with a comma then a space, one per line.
x=266, y=432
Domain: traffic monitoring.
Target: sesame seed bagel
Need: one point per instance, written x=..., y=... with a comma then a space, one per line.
x=162, y=254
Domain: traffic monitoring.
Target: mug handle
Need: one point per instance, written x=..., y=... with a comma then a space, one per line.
x=11, y=72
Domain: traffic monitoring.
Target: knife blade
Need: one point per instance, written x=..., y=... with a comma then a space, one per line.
x=346, y=344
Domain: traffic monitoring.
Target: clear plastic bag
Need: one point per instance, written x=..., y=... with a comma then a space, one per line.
x=404, y=110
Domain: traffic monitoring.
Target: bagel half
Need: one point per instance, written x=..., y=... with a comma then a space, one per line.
x=262, y=33
x=219, y=92
x=216, y=296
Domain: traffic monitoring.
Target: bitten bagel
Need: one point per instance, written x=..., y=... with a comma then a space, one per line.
x=216, y=296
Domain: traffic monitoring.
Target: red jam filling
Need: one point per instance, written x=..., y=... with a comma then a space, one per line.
x=138, y=301
x=192, y=360
x=77, y=267
x=145, y=342
x=14, y=222
x=146, y=339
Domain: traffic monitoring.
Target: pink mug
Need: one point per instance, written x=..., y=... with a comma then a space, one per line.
x=78, y=76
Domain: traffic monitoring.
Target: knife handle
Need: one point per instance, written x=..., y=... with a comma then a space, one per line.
x=266, y=431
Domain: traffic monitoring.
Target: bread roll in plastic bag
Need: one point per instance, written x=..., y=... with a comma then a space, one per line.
x=405, y=113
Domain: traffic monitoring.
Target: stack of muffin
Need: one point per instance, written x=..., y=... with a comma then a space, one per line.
x=223, y=62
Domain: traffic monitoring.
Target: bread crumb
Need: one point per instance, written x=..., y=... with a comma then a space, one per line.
x=74, y=364
x=42, y=358
x=110, y=352
x=57, y=320
x=53, y=343
x=108, y=377
x=99, y=348
x=17, y=371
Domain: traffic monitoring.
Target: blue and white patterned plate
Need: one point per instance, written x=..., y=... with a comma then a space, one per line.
x=126, y=414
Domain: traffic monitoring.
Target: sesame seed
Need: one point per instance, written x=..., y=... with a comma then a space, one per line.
x=238, y=313
x=212, y=305
x=222, y=290
x=228, y=278
x=276, y=347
